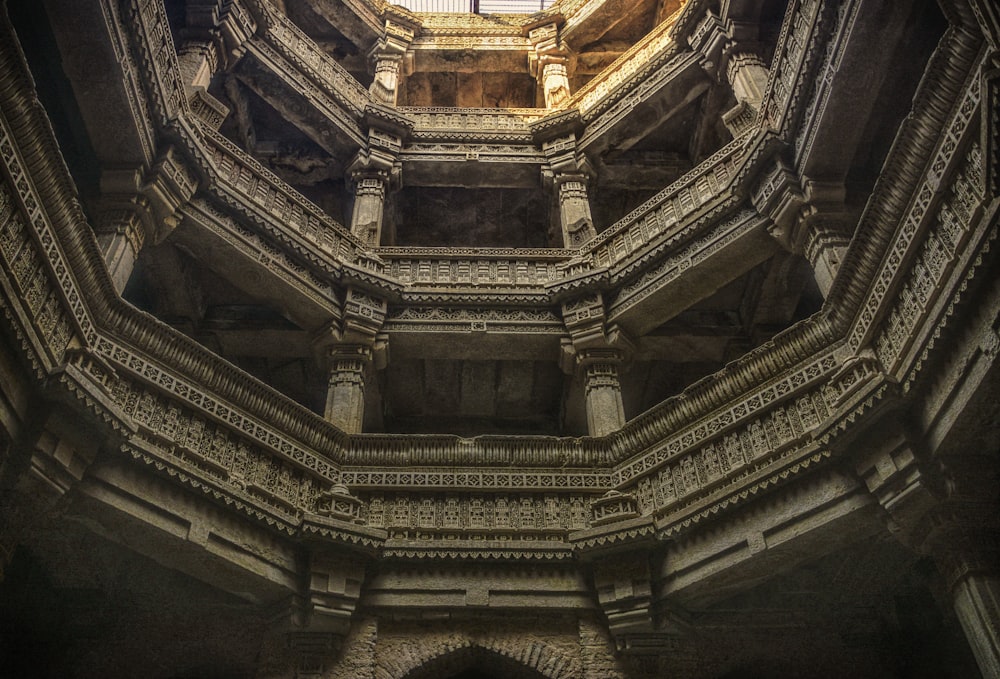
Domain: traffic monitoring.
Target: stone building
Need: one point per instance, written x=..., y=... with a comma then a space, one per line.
x=624, y=339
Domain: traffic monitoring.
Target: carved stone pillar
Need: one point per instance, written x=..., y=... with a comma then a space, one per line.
x=970, y=566
x=568, y=173
x=548, y=64
x=747, y=76
x=353, y=351
x=318, y=618
x=369, y=206
x=387, y=58
x=213, y=38
x=575, y=217
x=374, y=170
x=345, y=392
x=951, y=516
x=123, y=223
x=808, y=218
x=826, y=241
x=385, y=85
x=197, y=62
x=555, y=81
x=603, y=391
x=625, y=594
x=121, y=235
x=594, y=353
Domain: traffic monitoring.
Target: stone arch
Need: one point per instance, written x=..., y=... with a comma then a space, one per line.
x=504, y=659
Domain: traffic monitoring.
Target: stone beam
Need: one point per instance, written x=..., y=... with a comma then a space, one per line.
x=847, y=101
x=86, y=36
x=319, y=116
x=732, y=250
x=235, y=254
x=411, y=589
x=665, y=94
x=776, y=533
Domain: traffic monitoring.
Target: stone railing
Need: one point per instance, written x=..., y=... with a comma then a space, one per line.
x=448, y=267
x=333, y=78
x=257, y=248
x=613, y=81
x=278, y=202
x=797, y=32
x=767, y=414
x=478, y=122
x=159, y=59
x=669, y=209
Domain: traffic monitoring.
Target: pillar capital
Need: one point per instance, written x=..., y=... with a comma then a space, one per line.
x=386, y=59
x=747, y=75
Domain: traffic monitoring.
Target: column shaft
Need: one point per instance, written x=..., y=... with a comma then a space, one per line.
x=555, y=82
x=121, y=237
x=605, y=411
x=574, y=211
x=369, y=203
x=198, y=61
x=747, y=76
x=345, y=394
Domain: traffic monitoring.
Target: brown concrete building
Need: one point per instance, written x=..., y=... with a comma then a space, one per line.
x=626, y=339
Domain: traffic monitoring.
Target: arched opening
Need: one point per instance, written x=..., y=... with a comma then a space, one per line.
x=473, y=662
